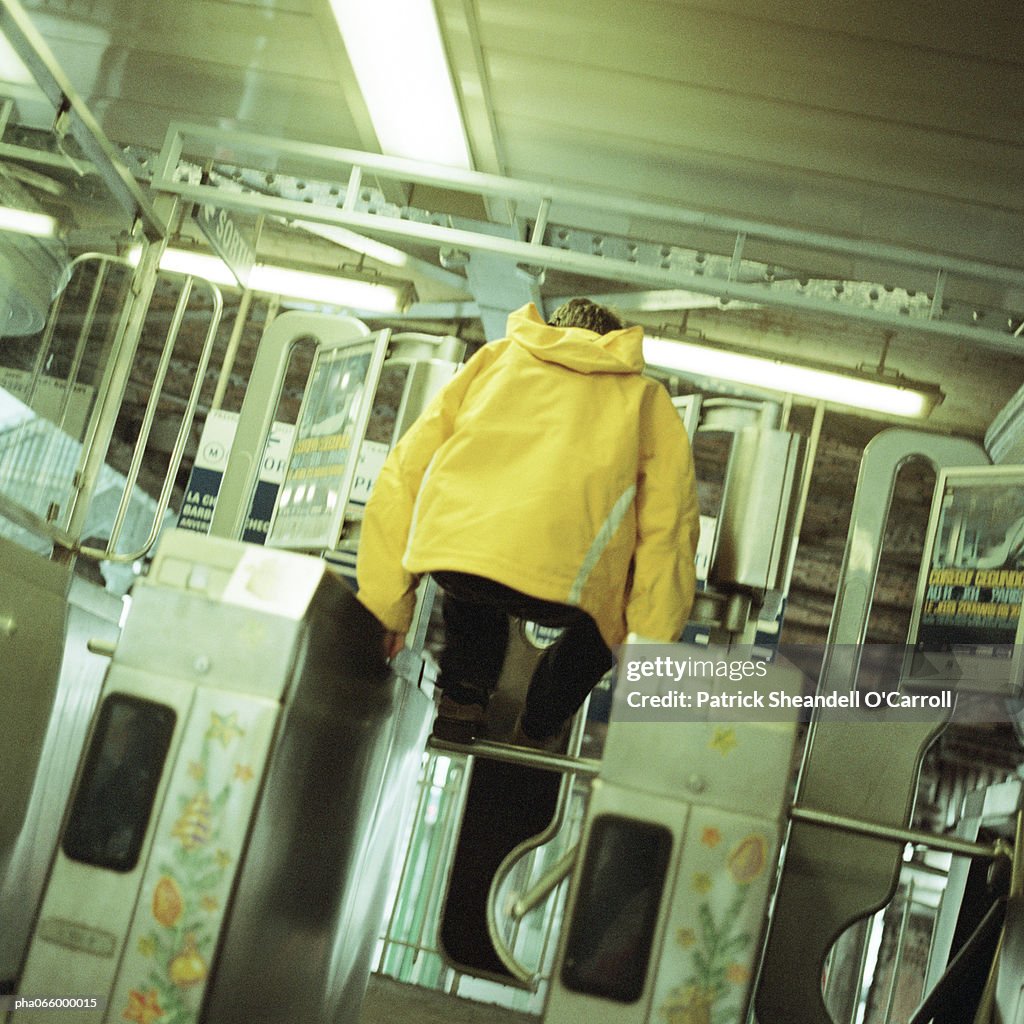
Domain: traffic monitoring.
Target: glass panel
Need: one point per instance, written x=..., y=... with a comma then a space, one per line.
x=114, y=799
x=612, y=928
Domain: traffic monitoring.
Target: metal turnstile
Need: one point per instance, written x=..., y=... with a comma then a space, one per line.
x=832, y=877
x=227, y=848
x=509, y=810
x=669, y=898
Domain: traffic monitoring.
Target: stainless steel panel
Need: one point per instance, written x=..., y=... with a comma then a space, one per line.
x=565, y=1005
x=86, y=911
x=33, y=614
x=93, y=613
x=686, y=759
x=310, y=896
x=720, y=787
x=755, y=506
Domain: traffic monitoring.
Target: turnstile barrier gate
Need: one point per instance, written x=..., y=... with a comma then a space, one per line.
x=227, y=848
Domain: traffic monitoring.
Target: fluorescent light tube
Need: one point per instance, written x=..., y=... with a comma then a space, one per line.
x=379, y=251
x=332, y=291
x=323, y=289
x=24, y=222
x=399, y=61
x=198, y=264
x=774, y=375
x=12, y=67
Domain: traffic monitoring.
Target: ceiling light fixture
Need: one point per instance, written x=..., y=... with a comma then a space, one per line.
x=323, y=288
x=859, y=392
x=399, y=60
x=12, y=68
x=25, y=222
x=300, y=285
x=379, y=251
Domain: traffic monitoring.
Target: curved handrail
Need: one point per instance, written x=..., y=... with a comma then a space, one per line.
x=266, y=380
x=184, y=430
x=546, y=884
x=12, y=510
x=523, y=975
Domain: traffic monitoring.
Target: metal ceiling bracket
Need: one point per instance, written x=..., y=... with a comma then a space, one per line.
x=75, y=119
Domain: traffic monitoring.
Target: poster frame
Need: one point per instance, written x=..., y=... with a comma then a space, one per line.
x=967, y=657
x=321, y=532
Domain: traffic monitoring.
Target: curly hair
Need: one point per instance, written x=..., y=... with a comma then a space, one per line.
x=586, y=314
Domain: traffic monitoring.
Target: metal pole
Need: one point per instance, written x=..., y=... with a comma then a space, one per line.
x=861, y=964
x=521, y=755
x=804, y=490
x=898, y=954
x=232, y=350
x=83, y=337
x=546, y=884
x=1017, y=874
x=948, y=844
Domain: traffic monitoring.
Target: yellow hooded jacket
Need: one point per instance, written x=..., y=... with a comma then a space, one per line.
x=548, y=464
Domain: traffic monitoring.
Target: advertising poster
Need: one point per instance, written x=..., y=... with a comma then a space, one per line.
x=967, y=621
x=320, y=472
x=210, y=465
x=975, y=582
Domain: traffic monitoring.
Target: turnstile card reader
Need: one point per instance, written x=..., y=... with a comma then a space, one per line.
x=239, y=797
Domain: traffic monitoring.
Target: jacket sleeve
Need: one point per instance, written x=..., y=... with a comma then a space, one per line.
x=385, y=587
x=668, y=525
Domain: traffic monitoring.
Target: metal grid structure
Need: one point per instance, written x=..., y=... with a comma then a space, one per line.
x=595, y=235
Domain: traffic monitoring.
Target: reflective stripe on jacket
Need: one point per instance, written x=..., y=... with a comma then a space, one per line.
x=551, y=465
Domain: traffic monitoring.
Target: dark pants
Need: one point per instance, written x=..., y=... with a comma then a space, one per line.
x=476, y=612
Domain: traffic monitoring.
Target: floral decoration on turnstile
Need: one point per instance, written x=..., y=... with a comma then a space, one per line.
x=186, y=899
x=719, y=949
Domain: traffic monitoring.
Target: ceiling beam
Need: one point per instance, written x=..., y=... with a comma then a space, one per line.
x=74, y=118
x=873, y=305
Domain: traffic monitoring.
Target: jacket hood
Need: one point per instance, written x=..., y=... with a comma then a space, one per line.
x=575, y=348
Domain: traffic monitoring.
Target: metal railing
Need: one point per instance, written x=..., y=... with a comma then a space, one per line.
x=64, y=527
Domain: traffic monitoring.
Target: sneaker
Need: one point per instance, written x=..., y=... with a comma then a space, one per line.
x=458, y=723
x=553, y=744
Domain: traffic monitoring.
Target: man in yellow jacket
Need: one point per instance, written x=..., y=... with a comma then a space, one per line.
x=548, y=480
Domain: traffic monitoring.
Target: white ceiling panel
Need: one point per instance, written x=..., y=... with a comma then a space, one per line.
x=662, y=99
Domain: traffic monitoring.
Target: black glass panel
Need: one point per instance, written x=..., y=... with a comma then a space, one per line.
x=623, y=877
x=115, y=794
